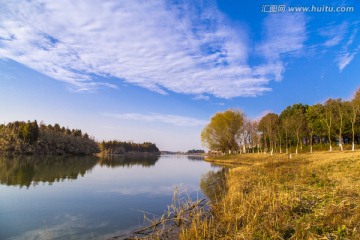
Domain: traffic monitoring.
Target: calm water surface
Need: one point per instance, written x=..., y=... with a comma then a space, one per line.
x=88, y=198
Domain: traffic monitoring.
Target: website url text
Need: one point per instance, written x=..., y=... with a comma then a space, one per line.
x=310, y=9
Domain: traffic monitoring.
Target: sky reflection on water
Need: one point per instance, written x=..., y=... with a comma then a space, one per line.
x=84, y=198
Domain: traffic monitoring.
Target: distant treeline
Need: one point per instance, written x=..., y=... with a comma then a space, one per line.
x=195, y=151
x=32, y=138
x=118, y=147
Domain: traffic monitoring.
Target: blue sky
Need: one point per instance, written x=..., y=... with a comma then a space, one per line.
x=158, y=70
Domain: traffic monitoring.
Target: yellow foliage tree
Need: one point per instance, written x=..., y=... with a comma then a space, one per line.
x=223, y=131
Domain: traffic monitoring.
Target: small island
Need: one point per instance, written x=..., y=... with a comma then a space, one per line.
x=128, y=148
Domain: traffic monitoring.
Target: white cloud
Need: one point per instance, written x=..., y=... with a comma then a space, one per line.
x=341, y=36
x=262, y=114
x=201, y=97
x=335, y=40
x=345, y=59
x=159, y=118
x=348, y=52
x=67, y=226
x=157, y=45
x=285, y=35
x=334, y=34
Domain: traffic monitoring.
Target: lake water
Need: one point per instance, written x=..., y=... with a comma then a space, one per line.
x=88, y=198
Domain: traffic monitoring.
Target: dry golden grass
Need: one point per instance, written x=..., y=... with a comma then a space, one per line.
x=311, y=196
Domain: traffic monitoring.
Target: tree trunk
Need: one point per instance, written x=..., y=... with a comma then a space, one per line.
x=265, y=145
x=340, y=142
x=321, y=144
x=272, y=149
x=259, y=147
x=329, y=135
x=286, y=143
x=280, y=146
x=353, y=137
x=297, y=143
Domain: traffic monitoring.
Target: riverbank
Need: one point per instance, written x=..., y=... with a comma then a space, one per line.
x=273, y=197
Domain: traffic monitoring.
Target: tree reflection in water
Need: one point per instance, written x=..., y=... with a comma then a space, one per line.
x=195, y=157
x=128, y=161
x=213, y=184
x=30, y=170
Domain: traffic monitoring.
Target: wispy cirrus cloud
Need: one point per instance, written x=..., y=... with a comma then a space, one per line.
x=340, y=39
x=348, y=51
x=175, y=120
x=334, y=34
x=182, y=47
x=281, y=42
x=345, y=59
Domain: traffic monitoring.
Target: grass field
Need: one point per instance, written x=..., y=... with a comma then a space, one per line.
x=311, y=196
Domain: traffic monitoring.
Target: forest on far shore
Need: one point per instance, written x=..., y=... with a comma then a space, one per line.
x=29, y=137
x=32, y=138
x=119, y=147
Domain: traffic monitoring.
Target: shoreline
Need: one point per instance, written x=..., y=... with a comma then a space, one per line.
x=311, y=195
x=128, y=154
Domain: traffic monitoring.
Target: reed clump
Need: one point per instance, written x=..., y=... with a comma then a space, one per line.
x=180, y=214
